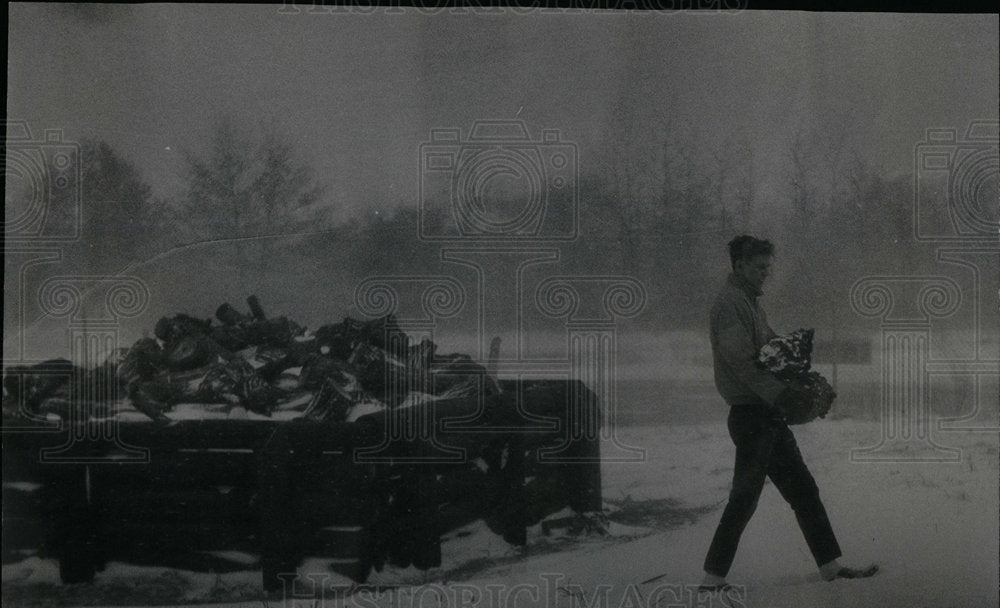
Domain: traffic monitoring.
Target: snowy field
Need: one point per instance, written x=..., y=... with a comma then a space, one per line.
x=931, y=526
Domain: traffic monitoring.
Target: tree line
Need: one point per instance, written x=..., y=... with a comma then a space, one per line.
x=660, y=208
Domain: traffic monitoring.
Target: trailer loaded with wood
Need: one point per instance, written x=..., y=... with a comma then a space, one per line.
x=251, y=436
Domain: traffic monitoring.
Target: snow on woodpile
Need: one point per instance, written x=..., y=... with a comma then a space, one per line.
x=241, y=365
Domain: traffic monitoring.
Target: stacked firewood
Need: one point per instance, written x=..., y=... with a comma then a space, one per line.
x=249, y=362
x=789, y=358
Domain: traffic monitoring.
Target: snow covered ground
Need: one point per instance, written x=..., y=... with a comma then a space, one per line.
x=932, y=527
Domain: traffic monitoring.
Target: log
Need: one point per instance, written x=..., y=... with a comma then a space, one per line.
x=255, y=308
x=230, y=316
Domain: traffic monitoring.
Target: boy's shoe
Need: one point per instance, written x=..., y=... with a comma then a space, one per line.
x=846, y=572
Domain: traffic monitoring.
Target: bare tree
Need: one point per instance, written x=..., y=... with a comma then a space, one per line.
x=248, y=189
x=746, y=191
x=120, y=215
x=733, y=186
x=802, y=188
x=628, y=177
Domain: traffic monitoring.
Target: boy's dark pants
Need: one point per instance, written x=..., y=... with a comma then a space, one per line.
x=766, y=447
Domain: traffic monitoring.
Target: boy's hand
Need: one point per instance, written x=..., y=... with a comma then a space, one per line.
x=792, y=401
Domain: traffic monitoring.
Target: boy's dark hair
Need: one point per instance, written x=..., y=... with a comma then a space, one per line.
x=745, y=247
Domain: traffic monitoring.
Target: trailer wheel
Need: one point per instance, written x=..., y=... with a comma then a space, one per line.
x=277, y=568
x=72, y=524
x=278, y=530
x=76, y=564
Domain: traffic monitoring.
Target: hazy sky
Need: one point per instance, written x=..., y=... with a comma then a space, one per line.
x=358, y=93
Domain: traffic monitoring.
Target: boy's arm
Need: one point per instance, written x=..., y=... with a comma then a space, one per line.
x=737, y=349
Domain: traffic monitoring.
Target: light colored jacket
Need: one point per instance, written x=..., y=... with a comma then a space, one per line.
x=739, y=329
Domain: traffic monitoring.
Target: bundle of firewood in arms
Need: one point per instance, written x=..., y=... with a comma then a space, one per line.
x=789, y=358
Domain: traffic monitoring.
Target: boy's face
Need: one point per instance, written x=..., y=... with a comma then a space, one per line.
x=755, y=271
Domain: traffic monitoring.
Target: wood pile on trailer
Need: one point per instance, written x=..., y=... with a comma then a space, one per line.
x=388, y=446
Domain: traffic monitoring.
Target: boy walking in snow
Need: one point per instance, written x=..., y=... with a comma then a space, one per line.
x=765, y=447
